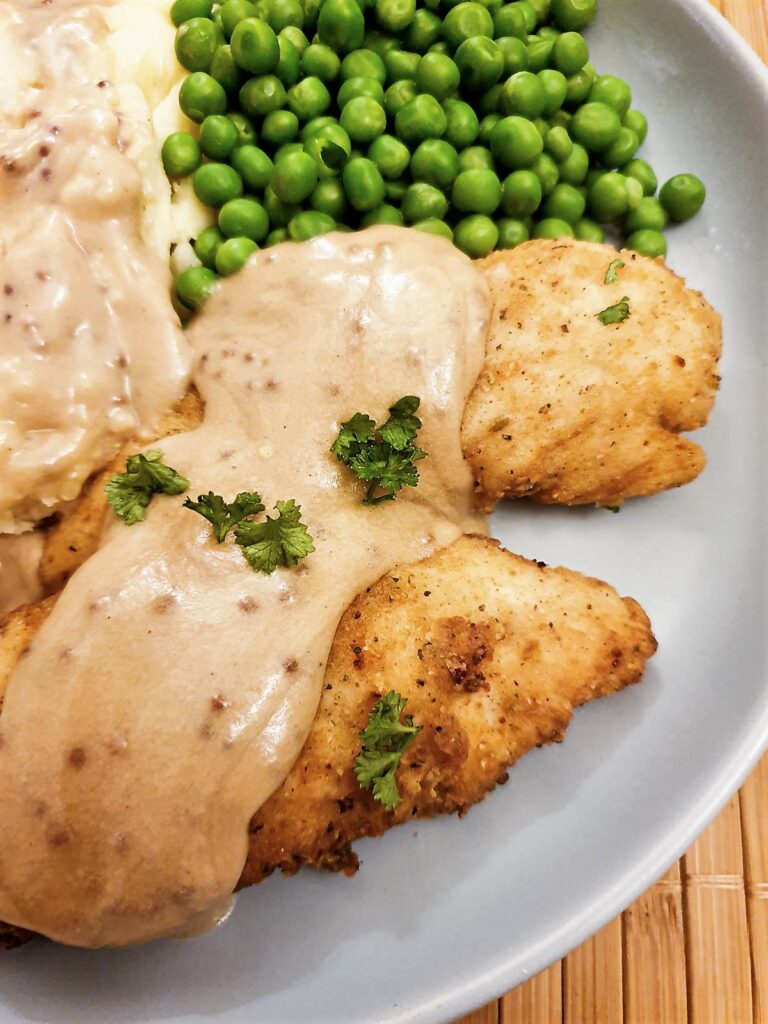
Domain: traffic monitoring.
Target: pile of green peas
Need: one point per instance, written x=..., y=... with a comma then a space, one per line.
x=479, y=120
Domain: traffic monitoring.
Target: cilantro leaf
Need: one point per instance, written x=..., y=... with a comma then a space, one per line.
x=382, y=456
x=384, y=741
x=130, y=493
x=611, y=275
x=281, y=541
x=224, y=515
x=615, y=314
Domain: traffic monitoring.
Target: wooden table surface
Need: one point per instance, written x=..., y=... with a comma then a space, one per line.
x=694, y=948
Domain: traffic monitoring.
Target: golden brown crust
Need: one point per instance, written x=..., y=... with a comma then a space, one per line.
x=568, y=411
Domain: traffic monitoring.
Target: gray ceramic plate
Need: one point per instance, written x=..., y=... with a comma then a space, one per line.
x=447, y=915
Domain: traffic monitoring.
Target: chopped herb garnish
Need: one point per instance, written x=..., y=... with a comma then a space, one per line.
x=281, y=541
x=611, y=275
x=384, y=741
x=130, y=493
x=612, y=508
x=615, y=314
x=223, y=515
x=383, y=456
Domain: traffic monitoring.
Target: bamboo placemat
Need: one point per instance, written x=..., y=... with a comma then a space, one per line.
x=694, y=948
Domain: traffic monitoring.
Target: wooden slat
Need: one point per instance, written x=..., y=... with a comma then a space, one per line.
x=654, y=955
x=717, y=937
x=488, y=1015
x=592, y=979
x=538, y=1001
x=754, y=825
x=750, y=17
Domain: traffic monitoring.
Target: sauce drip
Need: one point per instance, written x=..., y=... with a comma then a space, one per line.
x=92, y=352
x=172, y=687
x=19, y=564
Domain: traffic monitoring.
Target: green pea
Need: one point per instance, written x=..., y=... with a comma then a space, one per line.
x=683, y=196
x=596, y=126
x=579, y=86
x=255, y=46
x=437, y=75
x=542, y=8
x=565, y=202
x=634, y=193
x=201, y=95
x=361, y=85
x=642, y=171
x=523, y=95
x=401, y=64
x=512, y=233
x=279, y=127
x=233, y=254
x=309, y=224
x=289, y=65
x=570, y=53
x=588, y=231
x=487, y=125
x=224, y=69
x=195, y=285
x=476, y=236
x=573, y=170
x=309, y=98
x=440, y=47
x=328, y=198
x=608, y=198
x=390, y=155
x=433, y=226
x=363, y=64
x=649, y=215
x=425, y=30
x=435, y=162
x=311, y=14
x=421, y=118
x=363, y=119
x=515, y=142
x=260, y=96
x=489, y=101
x=294, y=177
x=554, y=86
x=638, y=123
x=295, y=37
x=514, y=55
x=394, y=15
x=380, y=42
x=276, y=237
x=196, y=43
x=621, y=151
x=398, y=95
x=245, y=218
x=529, y=13
x=480, y=62
x=384, y=214
x=282, y=13
x=395, y=190
x=218, y=137
x=315, y=124
x=253, y=165
x=363, y=184
x=509, y=20
x=207, y=244
x=216, y=183
x=423, y=202
x=320, y=60
x=558, y=144
x=180, y=155
x=521, y=194
x=462, y=125
x=278, y=211
x=561, y=119
x=573, y=15
x=539, y=54
x=553, y=227
x=246, y=133
x=465, y=20
x=233, y=12
x=613, y=92
x=648, y=243
x=547, y=171
x=341, y=25
x=184, y=10
x=330, y=147
x=476, y=191
x=476, y=157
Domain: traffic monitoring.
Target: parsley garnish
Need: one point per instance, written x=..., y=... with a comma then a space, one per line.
x=611, y=275
x=281, y=541
x=129, y=493
x=223, y=515
x=385, y=739
x=383, y=456
x=616, y=314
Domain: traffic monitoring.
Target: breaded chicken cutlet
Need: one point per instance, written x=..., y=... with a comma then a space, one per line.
x=493, y=653
x=571, y=411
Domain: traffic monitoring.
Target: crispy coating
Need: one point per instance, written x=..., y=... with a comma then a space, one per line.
x=568, y=411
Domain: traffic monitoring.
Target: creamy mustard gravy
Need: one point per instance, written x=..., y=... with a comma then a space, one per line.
x=91, y=352
x=172, y=687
